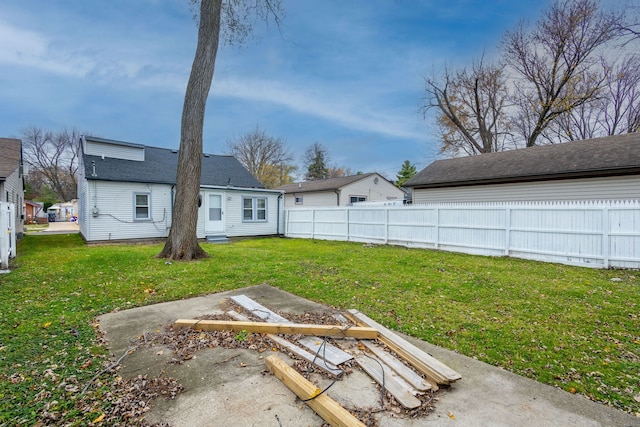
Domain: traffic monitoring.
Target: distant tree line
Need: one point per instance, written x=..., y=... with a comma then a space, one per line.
x=574, y=74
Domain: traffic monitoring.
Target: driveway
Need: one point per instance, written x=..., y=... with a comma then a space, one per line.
x=59, y=228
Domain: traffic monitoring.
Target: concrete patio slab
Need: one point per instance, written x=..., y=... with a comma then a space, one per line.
x=231, y=387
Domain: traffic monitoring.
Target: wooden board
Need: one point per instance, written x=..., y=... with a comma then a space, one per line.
x=333, y=353
x=325, y=350
x=414, y=380
x=258, y=310
x=323, y=405
x=282, y=343
x=303, y=354
x=381, y=373
x=334, y=331
x=436, y=371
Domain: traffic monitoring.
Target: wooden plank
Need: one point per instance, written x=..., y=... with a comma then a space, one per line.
x=333, y=353
x=335, y=331
x=258, y=310
x=381, y=373
x=325, y=350
x=303, y=354
x=435, y=370
x=323, y=405
x=414, y=380
x=282, y=343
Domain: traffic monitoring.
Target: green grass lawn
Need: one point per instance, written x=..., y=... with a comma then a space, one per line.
x=570, y=327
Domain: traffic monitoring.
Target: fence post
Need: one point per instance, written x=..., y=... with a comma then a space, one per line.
x=12, y=230
x=437, y=230
x=4, y=248
x=7, y=234
x=348, y=211
x=386, y=226
x=507, y=243
x=285, y=226
x=606, y=226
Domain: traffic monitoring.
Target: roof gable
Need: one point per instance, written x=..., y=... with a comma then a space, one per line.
x=330, y=184
x=160, y=166
x=10, y=155
x=608, y=156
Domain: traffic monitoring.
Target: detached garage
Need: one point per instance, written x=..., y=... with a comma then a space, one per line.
x=605, y=168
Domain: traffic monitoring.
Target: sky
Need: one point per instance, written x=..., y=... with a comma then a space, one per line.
x=346, y=74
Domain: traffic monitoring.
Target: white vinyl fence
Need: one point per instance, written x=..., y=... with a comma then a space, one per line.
x=592, y=234
x=7, y=234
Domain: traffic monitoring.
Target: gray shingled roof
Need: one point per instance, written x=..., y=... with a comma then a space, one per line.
x=608, y=156
x=160, y=166
x=9, y=156
x=329, y=184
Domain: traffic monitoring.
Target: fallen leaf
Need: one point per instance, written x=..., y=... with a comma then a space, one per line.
x=46, y=325
x=451, y=415
x=100, y=418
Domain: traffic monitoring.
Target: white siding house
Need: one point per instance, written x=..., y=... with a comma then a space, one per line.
x=597, y=169
x=342, y=191
x=130, y=195
x=11, y=183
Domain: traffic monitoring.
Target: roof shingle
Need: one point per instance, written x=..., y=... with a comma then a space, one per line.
x=10, y=150
x=607, y=156
x=161, y=165
x=329, y=184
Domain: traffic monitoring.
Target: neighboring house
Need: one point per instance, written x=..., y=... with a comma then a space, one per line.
x=342, y=191
x=32, y=211
x=596, y=169
x=127, y=191
x=11, y=181
x=65, y=211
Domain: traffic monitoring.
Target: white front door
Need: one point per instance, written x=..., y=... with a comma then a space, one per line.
x=214, y=223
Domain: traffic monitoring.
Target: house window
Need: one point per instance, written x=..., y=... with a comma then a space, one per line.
x=142, y=206
x=254, y=209
x=356, y=199
x=298, y=200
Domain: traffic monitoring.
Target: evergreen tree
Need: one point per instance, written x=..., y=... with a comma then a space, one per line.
x=407, y=171
x=316, y=159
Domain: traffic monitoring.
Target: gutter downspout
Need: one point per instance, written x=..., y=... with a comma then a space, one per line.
x=337, y=197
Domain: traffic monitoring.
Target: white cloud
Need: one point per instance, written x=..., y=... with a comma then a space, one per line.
x=101, y=62
x=320, y=102
x=30, y=49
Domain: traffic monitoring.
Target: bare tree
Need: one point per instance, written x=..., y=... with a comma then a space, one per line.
x=614, y=110
x=554, y=62
x=471, y=108
x=266, y=157
x=233, y=17
x=620, y=104
x=52, y=159
x=338, y=172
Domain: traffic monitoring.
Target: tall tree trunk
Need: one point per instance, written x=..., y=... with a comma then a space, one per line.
x=182, y=242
